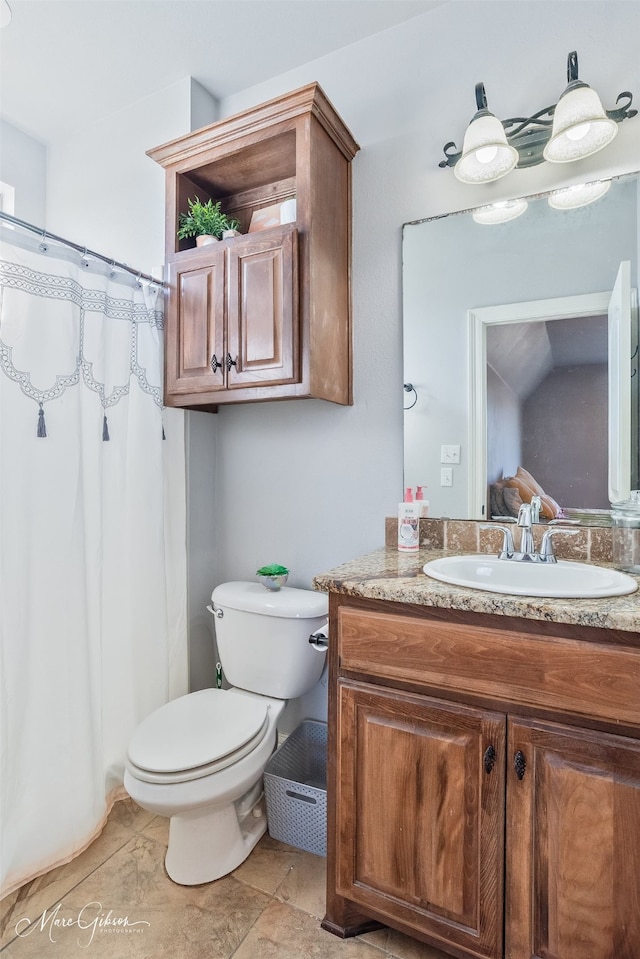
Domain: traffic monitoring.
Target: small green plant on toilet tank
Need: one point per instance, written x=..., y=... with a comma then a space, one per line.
x=204, y=219
x=274, y=576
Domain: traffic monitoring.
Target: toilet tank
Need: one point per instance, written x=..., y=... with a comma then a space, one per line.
x=263, y=637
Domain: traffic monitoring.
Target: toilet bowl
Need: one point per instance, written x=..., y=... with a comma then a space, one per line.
x=199, y=759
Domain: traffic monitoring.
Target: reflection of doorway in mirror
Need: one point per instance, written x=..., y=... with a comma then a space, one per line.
x=547, y=407
x=532, y=399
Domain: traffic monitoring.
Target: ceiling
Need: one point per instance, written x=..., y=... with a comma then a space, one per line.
x=524, y=354
x=62, y=61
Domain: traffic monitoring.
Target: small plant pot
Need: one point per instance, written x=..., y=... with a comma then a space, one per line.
x=274, y=583
x=205, y=239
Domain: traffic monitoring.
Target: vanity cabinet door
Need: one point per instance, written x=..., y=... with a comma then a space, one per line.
x=573, y=844
x=194, y=334
x=420, y=815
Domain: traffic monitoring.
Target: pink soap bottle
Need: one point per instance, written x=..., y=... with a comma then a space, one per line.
x=408, y=523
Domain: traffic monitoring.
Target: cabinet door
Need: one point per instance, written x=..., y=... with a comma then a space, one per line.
x=263, y=309
x=420, y=821
x=195, y=324
x=573, y=844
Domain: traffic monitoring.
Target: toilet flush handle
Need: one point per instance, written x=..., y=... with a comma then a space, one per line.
x=216, y=612
x=320, y=640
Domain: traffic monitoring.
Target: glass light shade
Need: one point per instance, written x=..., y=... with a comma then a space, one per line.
x=499, y=212
x=580, y=195
x=580, y=126
x=486, y=155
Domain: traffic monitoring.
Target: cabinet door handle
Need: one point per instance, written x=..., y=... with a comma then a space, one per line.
x=231, y=362
x=489, y=759
x=215, y=363
x=519, y=764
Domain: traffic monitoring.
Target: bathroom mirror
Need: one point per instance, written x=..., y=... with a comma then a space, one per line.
x=517, y=352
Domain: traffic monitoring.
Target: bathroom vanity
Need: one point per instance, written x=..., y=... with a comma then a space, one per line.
x=484, y=765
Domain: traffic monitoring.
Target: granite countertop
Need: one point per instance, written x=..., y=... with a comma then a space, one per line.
x=398, y=577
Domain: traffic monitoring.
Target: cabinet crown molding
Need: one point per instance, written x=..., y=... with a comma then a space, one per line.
x=310, y=99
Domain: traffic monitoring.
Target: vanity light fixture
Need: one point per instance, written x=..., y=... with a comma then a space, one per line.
x=572, y=129
x=579, y=195
x=486, y=155
x=580, y=125
x=500, y=212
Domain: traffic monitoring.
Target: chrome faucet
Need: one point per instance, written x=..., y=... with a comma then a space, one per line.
x=527, y=551
x=528, y=515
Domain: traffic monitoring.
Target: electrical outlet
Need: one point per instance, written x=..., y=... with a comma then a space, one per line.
x=450, y=454
x=446, y=476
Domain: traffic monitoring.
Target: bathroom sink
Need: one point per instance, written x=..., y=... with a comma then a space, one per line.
x=561, y=579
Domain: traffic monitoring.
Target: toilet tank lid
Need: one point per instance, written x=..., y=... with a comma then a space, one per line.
x=287, y=602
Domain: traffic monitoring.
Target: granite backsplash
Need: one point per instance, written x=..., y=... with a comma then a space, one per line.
x=591, y=544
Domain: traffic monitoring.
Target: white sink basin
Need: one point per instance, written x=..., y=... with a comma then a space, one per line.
x=561, y=579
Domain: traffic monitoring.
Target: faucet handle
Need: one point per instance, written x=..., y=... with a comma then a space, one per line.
x=547, y=554
x=508, y=549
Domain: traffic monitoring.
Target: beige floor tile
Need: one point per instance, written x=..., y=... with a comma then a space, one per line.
x=305, y=885
x=400, y=946
x=47, y=890
x=119, y=903
x=128, y=813
x=267, y=865
x=283, y=932
x=130, y=908
x=157, y=829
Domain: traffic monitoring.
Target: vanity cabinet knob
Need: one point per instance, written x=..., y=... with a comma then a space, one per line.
x=489, y=759
x=519, y=764
x=229, y=362
x=215, y=363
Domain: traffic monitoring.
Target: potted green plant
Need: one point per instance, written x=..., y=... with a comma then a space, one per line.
x=204, y=221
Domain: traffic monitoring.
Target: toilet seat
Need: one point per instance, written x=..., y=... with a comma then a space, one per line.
x=196, y=735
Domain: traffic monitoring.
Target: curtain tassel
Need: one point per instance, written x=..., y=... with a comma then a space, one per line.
x=105, y=429
x=42, y=426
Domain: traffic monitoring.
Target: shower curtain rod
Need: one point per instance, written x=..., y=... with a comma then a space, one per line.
x=74, y=246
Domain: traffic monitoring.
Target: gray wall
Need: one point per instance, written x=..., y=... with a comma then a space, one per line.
x=564, y=427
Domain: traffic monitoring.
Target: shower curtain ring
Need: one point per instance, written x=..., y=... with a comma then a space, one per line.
x=83, y=259
x=43, y=242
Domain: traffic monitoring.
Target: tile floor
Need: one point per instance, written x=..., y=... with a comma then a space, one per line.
x=269, y=908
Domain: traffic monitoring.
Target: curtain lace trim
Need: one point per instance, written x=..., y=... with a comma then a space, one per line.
x=19, y=277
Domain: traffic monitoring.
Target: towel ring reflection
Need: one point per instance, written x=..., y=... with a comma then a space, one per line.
x=410, y=388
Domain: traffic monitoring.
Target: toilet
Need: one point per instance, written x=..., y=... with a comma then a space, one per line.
x=199, y=759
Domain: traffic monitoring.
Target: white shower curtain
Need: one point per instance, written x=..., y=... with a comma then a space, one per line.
x=92, y=543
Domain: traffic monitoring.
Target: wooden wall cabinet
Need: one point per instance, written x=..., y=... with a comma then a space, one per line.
x=485, y=783
x=266, y=315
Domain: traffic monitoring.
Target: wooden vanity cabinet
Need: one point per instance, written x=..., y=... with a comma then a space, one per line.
x=482, y=795
x=420, y=821
x=266, y=315
x=573, y=844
